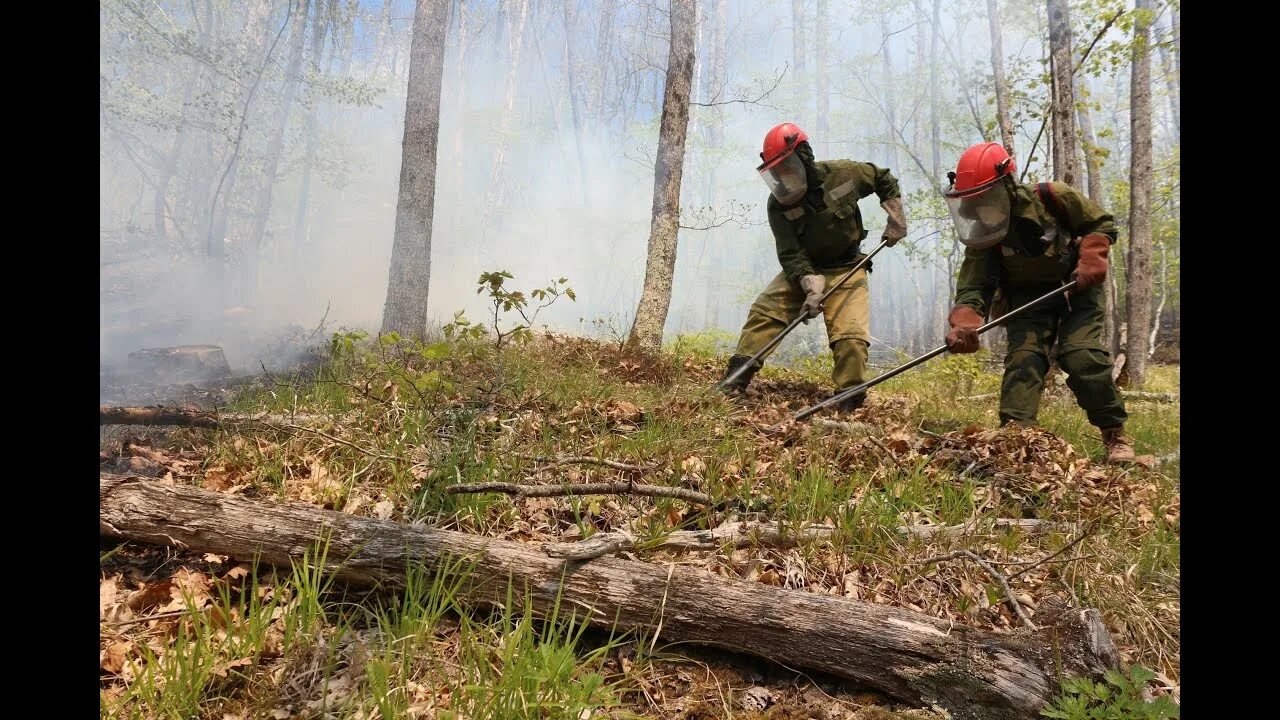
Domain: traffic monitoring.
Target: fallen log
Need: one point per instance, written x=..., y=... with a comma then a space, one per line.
x=155, y=416
x=165, y=415
x=913, y=657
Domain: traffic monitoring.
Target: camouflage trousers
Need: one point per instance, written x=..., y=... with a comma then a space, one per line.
x=1075, y=327
x=847, y=313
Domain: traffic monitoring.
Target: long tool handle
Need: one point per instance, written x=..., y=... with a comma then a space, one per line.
x=859, y=389
x=801, y=318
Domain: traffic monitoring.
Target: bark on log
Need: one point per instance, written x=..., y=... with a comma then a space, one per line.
x=155, y=416
x=162, y=415
x=912, y=657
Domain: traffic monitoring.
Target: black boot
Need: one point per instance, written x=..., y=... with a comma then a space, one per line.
x=739, y=386
x=852, y=403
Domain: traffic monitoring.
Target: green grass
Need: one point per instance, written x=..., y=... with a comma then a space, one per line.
x=402, y=422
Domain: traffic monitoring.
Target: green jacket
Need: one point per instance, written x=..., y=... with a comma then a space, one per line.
x=809, y=240
x=1038, y=252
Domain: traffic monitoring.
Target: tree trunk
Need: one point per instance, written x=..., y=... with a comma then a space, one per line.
x=1093, y=171
x=797, y=40
x=821, y=61
x=1139, y=265
x=604, y=36
x=275, y=145
x=258, y=24
x=936, y=144
x=716, y=265
x=1062, y=62
x=655, y=300
x=459, y=137
x=405, y=311
x=1164, y=295
x=1003, y=118
x=1171, y=81
x=494, y=195
x=890, y=97
x=1116, y=333
x=575, y=100
x=301, y=226
x=909, y=656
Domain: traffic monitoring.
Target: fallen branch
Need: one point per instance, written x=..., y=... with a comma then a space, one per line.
x=160, y=415
x=108, y=415
x=614, y=488
x=1000, y=578
x=1130, y=394
x=575, y=460
x=909, y=656
x=762, y=534
x=1150, y=396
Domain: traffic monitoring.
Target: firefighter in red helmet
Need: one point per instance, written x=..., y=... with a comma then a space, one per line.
x=1021, y=241
x=818, y=230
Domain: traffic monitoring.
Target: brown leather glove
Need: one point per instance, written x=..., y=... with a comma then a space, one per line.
x=965, y=322
x=1091, y=267
x=896, y=227
x=813, y=286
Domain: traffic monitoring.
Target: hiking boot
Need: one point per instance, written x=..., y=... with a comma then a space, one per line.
x=738, y=387
x=850, y=404
x=1119, y=451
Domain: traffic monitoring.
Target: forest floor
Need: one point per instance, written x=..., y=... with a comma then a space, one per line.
x=382, y=428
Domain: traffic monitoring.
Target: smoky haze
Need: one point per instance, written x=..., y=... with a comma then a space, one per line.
x=192, y=91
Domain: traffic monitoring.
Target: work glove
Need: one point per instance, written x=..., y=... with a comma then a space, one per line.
x=896, y=227
x=965, y=322
x=1091, y=266
x=813, y=286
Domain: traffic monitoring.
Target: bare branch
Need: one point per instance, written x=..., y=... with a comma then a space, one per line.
x=1000, y=578
x=616, y=488
x=777, y=81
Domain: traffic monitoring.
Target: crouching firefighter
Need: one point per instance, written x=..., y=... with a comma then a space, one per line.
x=1021, y=241
x=817, y=228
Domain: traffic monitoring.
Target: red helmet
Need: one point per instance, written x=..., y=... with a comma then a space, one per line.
x=979, y=165
x=979, y=201
x=780, y=142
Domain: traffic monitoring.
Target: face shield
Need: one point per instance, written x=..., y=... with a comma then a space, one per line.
x=981, y=214
x=785, y=178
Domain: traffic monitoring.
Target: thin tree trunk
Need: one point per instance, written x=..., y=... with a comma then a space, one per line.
x=1164, y=295
x=821, y=61
x=655, y=300
x=716, y=266
x=494, y=195
x=890, y=97
x=1171, y=81
x=1003, y=119
x=1139, y=264
x=301, y=221
x=575, y=100
x=936, y=144
x=1062, y=61
x=1114, y=316
x=275, y=146
x=220, y=205
x=797, y=40
x=409, y=278
x=459, y=137
x=604, y=37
